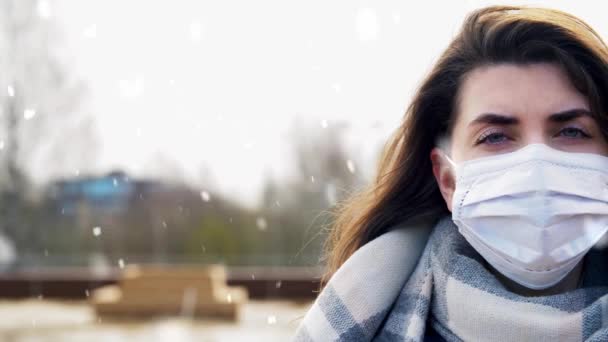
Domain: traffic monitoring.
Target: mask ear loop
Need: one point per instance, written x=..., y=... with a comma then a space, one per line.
x=447, y=157
x=453, y=166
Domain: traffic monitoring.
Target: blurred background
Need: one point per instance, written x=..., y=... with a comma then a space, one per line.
x=199, y=132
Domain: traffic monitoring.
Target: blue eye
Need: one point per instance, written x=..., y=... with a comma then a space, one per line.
x=492, y=138
x=573, y=133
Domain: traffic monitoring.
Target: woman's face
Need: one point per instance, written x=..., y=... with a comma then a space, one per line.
x=504, y=107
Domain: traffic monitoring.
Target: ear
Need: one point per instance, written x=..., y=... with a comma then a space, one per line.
x=444, y=175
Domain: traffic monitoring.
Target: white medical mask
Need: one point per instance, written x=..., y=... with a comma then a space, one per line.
x=534, y=213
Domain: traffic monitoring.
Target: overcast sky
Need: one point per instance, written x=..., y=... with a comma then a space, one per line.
x=179, y=86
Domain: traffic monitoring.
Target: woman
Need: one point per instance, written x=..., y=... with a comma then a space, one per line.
x=488, y=199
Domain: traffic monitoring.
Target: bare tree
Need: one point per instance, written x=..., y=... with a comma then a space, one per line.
x=300, y=209
x=39, y=102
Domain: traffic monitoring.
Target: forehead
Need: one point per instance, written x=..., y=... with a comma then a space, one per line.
x=526, y=91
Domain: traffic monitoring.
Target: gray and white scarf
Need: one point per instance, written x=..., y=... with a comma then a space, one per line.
x=381, y=293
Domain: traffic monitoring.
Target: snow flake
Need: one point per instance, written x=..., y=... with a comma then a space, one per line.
x=205, y=196
x=131, y=88
x=367, y=24
x=337, y=87
x=351, y=166
x=331, y=194
x=324, y=123
x=261, y=223
x=10, y=90
x=121, y=263
x=29, y=113
x=272, y=319
x=90, y=32
x=97, y=231
x=196, y=31
x=397, y=17
x=44, y=9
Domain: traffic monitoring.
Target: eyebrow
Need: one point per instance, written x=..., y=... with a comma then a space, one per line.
x=506, y=120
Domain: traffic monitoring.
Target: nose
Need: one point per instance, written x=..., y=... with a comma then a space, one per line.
x=535, y=136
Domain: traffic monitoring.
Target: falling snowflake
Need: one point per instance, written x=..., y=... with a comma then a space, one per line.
x=312, y=179
x=29, y=113
x=272, y=319
x=205, y=196
x=10, y=90
x=337, y=87
x=330, y=194
x=164, y=224
x=229, y=298
x=131, y=88
x=90, y=32
x=121, y=263
x=96, y=231
x=261, y=223
x=351, y=166
x=324, y=123
x=115, y=182
x=44, y=9
x=367, y=24
x=278, y=284
x=196, y=31
x=1, y=144
x=396, y=17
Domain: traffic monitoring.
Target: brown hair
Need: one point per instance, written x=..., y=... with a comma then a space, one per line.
x=404, y=189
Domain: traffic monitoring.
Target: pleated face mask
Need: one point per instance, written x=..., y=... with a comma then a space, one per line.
x=534, y=213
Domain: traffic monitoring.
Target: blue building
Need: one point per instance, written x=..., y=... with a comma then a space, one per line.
x=109, y=194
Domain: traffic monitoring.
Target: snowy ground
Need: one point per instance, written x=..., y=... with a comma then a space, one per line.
x=46, y=320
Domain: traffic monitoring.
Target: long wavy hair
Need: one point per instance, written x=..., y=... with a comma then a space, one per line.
x=404, y=188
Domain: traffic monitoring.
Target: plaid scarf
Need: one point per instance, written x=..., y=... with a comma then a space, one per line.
x=383, y=293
